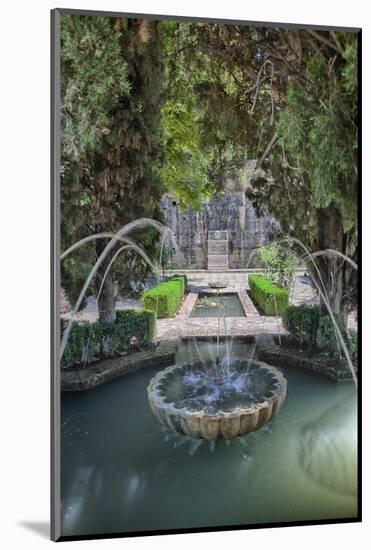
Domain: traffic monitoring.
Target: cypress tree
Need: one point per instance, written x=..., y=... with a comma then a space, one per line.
x=111, y=135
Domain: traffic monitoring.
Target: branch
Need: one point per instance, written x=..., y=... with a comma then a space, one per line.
x=336, y=40
x=332, y=45
x=297, y=169
x=259, y=80
x=253, y=88
x=268, y=149
x=331, y=73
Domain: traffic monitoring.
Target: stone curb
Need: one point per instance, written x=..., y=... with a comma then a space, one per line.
x=276, y=356
x=109, y=369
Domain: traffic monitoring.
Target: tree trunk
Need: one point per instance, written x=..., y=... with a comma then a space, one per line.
x=333, y=270
x=106, y=301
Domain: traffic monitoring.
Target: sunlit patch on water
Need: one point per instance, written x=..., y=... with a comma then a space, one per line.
x=328, y=448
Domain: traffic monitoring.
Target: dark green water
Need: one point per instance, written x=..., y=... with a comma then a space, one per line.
x=224, y=305
x=122, y=472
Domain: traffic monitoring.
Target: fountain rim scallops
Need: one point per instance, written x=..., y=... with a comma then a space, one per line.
x=200, y=424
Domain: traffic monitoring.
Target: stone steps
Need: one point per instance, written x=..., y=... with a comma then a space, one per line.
x=217, y=250
x=218, y=261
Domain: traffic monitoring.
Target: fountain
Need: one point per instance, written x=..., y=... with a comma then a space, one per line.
x=206, y=399
x=224, y=397
x=210, y=399
x=203, y=401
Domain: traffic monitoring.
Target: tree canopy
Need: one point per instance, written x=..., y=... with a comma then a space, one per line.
x=288, y=98
x=149, y=106
x=198, y=157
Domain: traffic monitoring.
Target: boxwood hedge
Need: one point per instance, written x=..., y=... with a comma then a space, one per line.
x=166, y=297
x=184, y=277
x=89, y=341
x=269, y=297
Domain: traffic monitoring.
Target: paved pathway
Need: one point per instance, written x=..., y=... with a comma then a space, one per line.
x=184, y=326
x=90, y=312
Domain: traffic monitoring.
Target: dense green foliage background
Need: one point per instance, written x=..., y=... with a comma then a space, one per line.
x=150, y=106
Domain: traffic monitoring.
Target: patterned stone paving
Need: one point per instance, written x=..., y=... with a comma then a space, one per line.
x=191, y=327
x=184, y=326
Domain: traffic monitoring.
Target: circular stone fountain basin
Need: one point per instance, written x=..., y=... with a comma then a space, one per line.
x=188, y=400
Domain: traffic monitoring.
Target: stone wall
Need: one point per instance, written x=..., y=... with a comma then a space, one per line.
x=232, y=212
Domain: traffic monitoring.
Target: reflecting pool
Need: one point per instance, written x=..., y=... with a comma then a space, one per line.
x=122, y=472
x=222, y=305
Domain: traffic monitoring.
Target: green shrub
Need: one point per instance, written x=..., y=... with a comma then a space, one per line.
x=302, y=323
x=306, y=325
x=76, y=350
x=270, y=298
x=88, y=341
x=352, y=342
x=326, y=337
x=137, y=322
x=280, y=262
x=166, y=297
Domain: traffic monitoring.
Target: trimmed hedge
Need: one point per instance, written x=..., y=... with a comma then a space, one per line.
x=182, y=276
x=270, y=298
x=302, y=323
x=89, y=341
x=166, y=297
